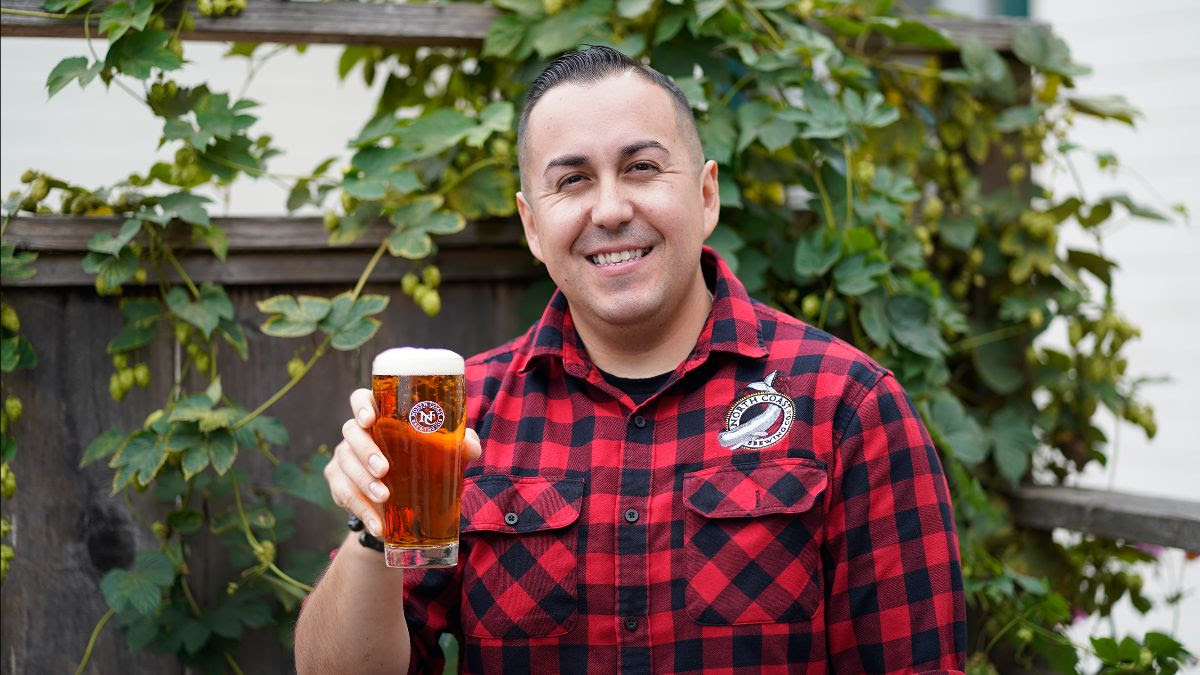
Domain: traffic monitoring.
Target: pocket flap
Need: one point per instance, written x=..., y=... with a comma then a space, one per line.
x=774, y=486
x=514, y=504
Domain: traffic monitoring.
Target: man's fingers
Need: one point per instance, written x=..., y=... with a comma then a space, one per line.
x=353, y=467
x=350, y=499
x=471, y=447
x=362, y=405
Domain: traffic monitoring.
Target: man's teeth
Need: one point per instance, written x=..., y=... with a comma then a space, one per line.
x=618, y=256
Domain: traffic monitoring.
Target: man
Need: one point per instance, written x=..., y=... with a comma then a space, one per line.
x=673, y=478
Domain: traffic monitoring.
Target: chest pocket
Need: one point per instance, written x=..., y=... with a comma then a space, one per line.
x=519, y=572
x=753, y=540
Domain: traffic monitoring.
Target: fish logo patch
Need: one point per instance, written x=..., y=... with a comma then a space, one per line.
x=760, y=418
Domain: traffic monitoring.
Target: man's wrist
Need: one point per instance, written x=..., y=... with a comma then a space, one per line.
x=365, y=539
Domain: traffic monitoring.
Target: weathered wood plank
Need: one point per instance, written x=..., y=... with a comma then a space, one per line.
x=384, y=24
x=279, y=251
x=1117, y=515
x=387, y=24
x=274, y=233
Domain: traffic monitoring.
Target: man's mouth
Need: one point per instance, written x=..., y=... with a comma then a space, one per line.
x=617, y=257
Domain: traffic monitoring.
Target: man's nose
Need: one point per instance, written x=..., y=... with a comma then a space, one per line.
x=613, y=207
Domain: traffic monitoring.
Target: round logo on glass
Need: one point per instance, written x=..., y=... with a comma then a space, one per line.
x=426, y=417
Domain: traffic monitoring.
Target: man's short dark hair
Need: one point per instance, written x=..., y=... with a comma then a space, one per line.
x=591, y=65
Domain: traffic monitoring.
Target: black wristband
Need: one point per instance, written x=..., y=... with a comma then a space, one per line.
x=364, y=537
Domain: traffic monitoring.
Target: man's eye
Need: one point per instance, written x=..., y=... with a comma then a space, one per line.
x=570, y=180
x=643, y=166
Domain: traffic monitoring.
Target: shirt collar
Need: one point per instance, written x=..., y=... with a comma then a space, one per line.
x=732, y=325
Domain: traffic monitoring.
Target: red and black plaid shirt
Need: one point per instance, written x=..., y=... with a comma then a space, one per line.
x=603, y=536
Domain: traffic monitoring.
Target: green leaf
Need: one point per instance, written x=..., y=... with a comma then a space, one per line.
x=871, y=112
x=999, y=364
x=225, y=158
x=874, y=319
x=856, y=275
x=913, y=326
x=988, y=69
x=1098, y=265
x=307, y=484
x=137, y=54
x=497, y=117
x=409, y=243
x=1106, y=107
x=195, y=460
x=105, y=242
x=956, y=429
x=132, y=336
x=64, y=6
x=1017, y=118
x=120, y=17
x=504, y=35
x=1045, y=51
x=10, y=355
x=111, y=271
x=297, y=316
x=185, y=521
x=123, y=590
x=205, y=312
x=16, y=266
x=69, y=70
x=823, y=117
x=268, y=428
x=905, y=31
x=183, y=435
x=354, y=224
x=440, y=130
x=486, y=192
x=529, y=8
x=378, y=187
x=565, y=30
x=231, y=331
x=355, y=335
x=191, y=409
x=717, y=136
x=816, y=253
x=345, y=311
x=141, y=457
x=222, y=450
x=631, y=9
x=104, y=445
x=219, y=419
x=186, y=206
x=1014, y=443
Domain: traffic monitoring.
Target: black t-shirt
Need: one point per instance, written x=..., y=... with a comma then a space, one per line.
x=637, y=388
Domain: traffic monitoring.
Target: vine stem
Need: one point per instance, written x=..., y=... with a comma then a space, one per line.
x=40, y=15
x=987, y=338
x=779, y=41
x=87, y=653
x=232, y=664
x=825, y=201
x=253, y=541
x=488, y=161
x=849, y=184
x=265, y=405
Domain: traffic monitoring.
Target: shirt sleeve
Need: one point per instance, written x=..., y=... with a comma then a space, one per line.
x=894, y=592
x=431, y=608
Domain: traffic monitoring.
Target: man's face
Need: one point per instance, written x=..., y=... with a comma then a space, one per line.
x=616, y=205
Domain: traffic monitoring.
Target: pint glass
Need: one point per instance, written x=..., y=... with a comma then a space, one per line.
x=420, y=394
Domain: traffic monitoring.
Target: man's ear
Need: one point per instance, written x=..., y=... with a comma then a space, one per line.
x=527, y=222
x=710, y=191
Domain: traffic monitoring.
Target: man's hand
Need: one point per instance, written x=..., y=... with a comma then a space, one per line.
x=353, y=474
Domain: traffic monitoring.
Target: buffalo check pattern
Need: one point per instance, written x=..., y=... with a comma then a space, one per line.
x=601, y=535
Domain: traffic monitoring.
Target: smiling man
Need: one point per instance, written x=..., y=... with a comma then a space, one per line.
x=668, y=476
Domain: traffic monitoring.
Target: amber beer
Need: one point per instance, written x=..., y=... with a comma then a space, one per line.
x=420, y=394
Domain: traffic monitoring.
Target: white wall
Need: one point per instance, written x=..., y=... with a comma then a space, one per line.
x=1149, y=52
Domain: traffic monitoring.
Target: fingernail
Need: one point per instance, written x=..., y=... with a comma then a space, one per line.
x=375, y=529
x=378, y=465
x=362, y=416
x=378, y=490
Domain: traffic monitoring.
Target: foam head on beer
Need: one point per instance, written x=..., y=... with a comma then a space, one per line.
x=417, y=361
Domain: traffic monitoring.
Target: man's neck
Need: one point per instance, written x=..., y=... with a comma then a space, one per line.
x=652, y=348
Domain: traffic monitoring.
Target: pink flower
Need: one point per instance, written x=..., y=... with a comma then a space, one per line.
x=1152, y=550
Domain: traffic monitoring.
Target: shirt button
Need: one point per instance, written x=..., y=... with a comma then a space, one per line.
x=639, y=422
x=510, y=518
x=631, y=515
x=631, y=623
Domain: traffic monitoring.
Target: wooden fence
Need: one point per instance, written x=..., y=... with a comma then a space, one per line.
x=69, y=531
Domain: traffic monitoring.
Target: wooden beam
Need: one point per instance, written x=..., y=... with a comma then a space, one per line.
x=1115, y=515
x=277, y=251
x=386, y=24
x=277, y=21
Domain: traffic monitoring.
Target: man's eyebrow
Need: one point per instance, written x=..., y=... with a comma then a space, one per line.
x=626, y=151
x=565, y=160
x=638, y=146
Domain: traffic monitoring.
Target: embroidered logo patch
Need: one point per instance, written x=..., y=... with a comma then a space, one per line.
x=426, y=417
x=758, y=419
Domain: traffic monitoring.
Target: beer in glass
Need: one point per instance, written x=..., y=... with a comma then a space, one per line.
x=421, y=397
